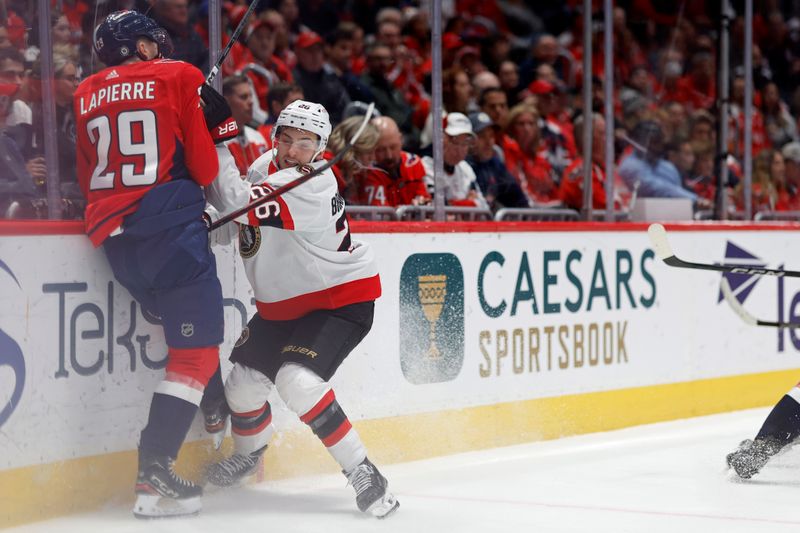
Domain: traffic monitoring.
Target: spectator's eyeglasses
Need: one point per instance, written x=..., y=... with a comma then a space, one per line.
x=303, y=145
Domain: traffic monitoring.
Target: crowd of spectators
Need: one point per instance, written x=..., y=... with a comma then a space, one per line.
x=512, y=74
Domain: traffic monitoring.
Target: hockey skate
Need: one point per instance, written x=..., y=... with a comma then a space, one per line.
x=234, y=469
x=161, y=493
x=371, y=490
x=752, y=455
x=217, y=421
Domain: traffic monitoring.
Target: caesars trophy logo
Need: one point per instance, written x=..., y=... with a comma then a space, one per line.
x=431, y=318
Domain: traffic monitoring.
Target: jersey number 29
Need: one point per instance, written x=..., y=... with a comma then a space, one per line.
x=130, y=144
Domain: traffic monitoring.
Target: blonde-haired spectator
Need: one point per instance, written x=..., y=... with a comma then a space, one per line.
x=357, y=159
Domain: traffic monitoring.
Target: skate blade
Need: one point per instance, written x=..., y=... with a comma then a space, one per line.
x=384, y=507
x=150, y=506
x=218, y=437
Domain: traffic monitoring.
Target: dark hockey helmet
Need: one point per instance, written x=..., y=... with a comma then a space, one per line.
x=115, y=38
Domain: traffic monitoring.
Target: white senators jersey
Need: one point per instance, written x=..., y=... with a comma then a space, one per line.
x=297, y=249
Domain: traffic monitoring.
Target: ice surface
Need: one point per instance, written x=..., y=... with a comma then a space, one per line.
x=667, y=477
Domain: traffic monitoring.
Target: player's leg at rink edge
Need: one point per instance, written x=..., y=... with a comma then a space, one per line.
x=315, y=403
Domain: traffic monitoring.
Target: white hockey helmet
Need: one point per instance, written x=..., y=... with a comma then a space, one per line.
x=306, y=116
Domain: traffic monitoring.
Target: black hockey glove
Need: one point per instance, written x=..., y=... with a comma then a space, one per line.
x=219, y=118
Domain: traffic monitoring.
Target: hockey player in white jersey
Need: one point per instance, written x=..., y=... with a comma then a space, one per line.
x=315, y=289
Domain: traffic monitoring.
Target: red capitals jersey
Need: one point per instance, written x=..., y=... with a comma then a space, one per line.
x=138, y=125
x=378, y=187
x=246, y=147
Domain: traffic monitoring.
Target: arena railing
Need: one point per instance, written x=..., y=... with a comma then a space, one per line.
x=517, y=214
x=374, y=213
x=789, y=216
x=426, y=212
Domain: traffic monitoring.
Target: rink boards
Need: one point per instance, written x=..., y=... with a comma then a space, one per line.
x=486, y=335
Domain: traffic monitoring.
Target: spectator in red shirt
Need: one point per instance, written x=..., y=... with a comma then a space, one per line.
x=525, y=158
x=698, y=89
x=571, y=188
x=399, y=176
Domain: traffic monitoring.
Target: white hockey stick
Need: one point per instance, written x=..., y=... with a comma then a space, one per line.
x=746, y=317
x=658, y=237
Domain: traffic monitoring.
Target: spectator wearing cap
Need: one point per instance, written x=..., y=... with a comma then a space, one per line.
x=389, y=101
x=319, y=82
x=459, y=184
x=557, y=136
x=398, y=177
x=571, y=187
x=261, y=52
x=249, y=145
x=451, y=44
x=498, y=186
x=173, y=16
x=525, y=158
x=339, y=51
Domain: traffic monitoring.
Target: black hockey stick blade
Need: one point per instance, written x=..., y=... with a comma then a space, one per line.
x=234, y=37
x=299, y=181
x=746, y=317
x=658, y=237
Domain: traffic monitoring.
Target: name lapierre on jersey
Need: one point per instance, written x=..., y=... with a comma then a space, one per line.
x=137, y=90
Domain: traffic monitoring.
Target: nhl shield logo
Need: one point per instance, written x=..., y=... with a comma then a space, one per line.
x=187, y=329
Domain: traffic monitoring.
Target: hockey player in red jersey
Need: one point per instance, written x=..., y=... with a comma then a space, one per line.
x=315, y=289
x=143, y=152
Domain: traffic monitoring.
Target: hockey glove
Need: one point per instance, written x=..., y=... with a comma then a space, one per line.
x=219, y=118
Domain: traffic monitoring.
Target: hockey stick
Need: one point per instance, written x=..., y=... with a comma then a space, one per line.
x=746, y=317
x=234, y=37
x=299, y=181
x=658, y=236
